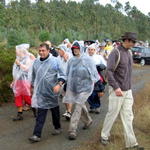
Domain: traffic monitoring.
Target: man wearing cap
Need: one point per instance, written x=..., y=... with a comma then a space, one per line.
x=120, y=93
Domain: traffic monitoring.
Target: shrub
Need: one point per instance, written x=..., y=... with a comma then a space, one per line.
x=44, y=36
x=7, y=58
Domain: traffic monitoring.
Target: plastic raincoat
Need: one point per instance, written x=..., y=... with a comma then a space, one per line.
x=21, y=83
x=44, y=77
x=81, y=76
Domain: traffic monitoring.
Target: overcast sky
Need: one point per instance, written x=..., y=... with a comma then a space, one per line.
x=142, y=5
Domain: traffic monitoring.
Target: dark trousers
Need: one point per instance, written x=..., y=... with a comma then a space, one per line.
x=94, y=100
x=41, y=117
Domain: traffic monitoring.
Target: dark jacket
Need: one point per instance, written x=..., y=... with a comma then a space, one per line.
x=121, y=77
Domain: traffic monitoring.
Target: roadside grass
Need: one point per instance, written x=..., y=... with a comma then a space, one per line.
x=141, y=125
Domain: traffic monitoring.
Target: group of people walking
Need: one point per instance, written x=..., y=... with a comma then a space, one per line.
x=75, y=72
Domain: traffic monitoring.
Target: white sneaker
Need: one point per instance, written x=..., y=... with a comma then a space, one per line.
x=67, y=115
x=64, y=115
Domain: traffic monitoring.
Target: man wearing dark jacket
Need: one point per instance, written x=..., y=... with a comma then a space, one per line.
x=120, y=93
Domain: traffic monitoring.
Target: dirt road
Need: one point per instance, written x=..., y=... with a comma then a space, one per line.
x=14, y=135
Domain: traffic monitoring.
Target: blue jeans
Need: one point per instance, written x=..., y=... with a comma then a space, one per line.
x=94, y=100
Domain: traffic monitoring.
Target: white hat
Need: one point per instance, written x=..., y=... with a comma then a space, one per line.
x=23, y=46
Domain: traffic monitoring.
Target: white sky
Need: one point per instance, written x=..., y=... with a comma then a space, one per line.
x=142, y=5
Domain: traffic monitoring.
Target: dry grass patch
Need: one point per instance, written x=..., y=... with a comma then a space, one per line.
x=141, y=126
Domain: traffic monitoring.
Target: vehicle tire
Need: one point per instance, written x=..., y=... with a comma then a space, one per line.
x=142, y=62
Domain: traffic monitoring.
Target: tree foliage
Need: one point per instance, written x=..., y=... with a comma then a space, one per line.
x=23, y=21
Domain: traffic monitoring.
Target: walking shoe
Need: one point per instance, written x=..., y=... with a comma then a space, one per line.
x=137, y=147
x=97, y=110
x=64, y=115
x=67, y=115
x=72, y=136
x=91, y=110
x=56, y=131
x=18, y=118
x=104, y=142
x=86, y=126
x=34, y=139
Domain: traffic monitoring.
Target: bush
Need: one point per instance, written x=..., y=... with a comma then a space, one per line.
x=44, y=36
x=12, y=38
x=16, y=37
x=7, y=58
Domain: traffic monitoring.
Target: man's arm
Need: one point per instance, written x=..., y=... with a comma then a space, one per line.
x=111, y=64
x=61, y=78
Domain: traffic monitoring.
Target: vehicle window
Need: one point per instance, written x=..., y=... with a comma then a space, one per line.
x=147, y=50
x=137, y=49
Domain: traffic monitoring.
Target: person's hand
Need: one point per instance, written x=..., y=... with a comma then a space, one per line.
x=11, y=85
x=32, y=88
x=17, y=62
x=118, y=92
x=100, y=94
x=56, y=88
x=66, y=57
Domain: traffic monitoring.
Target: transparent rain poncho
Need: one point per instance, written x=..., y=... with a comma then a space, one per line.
x=45, y=75
x=21, y=83
x=98, y=59
x=64, y=62
x=81, y=76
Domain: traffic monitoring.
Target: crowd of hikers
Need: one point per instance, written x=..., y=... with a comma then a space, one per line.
x=77, y=73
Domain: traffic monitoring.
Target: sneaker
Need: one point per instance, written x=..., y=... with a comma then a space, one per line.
x=64, y=115
x=104, y=142
x=67, y=115
x=72, y=136
x=18, y=118
x=137, y=147
x=86, y=126
x=34, y=139
x=97, y=110
x=91, y=110
x=56, y=131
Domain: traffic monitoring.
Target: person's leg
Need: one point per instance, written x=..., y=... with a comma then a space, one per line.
x=75, y=118
x=40, y=120
x=27, y=100
x=97, y=103
x=19, y=105
x=93, y=101
x=86, y=118
x=67, y=114
x=69, y=107
x=127, y=119
x=56, y=117
x=114, y=107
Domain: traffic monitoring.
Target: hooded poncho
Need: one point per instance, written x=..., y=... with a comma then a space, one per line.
x=81, y=76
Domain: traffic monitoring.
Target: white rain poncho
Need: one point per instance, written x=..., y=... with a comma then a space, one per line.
x=81, y=76
x=21, y=83
x=98, y=59
x=64, y=62
x=44, y=78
